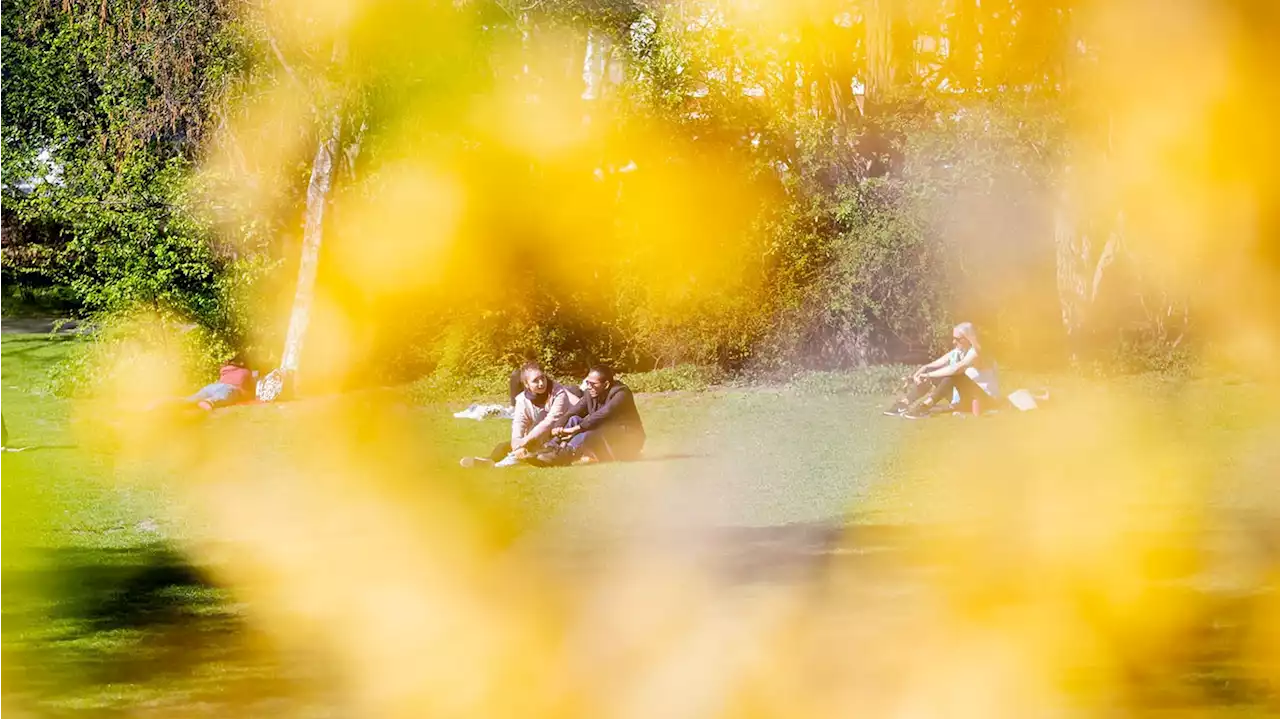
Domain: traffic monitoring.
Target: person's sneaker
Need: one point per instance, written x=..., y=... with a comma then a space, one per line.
x=586, y=459
x=547, y=458
x=916, y=413
x=508, y=461
x=468, y=413
x=470, y=462
x=897, y=409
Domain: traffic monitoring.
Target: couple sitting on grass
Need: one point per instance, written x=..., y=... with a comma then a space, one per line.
x=552, y=426
x=965, y=377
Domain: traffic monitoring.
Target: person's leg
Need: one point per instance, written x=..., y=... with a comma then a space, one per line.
x=972, y=397
x=201, y=395
x=555, y=452
x=911, y=393
x=207, y=397
x=500, y=452
x=591, y=445
x=941, y=389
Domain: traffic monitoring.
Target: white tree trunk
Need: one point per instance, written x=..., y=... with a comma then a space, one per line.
x=312, y=231
x=526, y=42
x=594, y=64
x=1082, y=266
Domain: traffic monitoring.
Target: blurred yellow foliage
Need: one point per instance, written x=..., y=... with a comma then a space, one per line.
x=1050, y=592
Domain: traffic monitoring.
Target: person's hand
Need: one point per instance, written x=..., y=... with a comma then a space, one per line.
x=520, y=453
x=557, y=431
x=570, y=431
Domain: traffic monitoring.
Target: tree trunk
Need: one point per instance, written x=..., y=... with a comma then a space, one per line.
x=317, y=196
x=526, y=42
x=352, y=152
x=878, y=21
x=1082, y=267
x=594, y=63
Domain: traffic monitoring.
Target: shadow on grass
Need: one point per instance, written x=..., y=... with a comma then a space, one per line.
x=124, y=588
x=17, y=347
x=111, y=630
x=146, y=618
x=141, y=628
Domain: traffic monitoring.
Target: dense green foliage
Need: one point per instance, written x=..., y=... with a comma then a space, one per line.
x=106, y=107
x=882, y=216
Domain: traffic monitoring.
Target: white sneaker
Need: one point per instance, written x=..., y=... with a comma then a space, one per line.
x=508, y=461
x=468, y=413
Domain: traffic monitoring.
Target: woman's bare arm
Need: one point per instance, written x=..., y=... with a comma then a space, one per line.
x=965, y=362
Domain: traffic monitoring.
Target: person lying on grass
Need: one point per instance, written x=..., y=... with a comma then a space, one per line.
x=540, y=409
x=965, y=372
x=604, y=426
x=234, y=385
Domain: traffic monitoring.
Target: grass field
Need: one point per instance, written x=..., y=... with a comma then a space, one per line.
x=103, y=611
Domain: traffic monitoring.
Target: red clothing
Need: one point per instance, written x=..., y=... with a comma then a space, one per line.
x=235, y=376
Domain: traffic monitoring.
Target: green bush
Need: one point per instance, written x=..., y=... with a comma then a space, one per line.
x=446, y=386
x=1145, y=354
x=119, y=342
x=105, y=112
x=856, y=277
x=688, y=377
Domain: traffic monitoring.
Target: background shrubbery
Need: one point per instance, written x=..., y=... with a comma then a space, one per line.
x=727, y=231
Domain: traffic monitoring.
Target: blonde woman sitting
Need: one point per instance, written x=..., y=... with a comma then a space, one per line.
x=965, y=374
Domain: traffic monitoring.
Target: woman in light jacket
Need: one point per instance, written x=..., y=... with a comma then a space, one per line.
x=542, y=406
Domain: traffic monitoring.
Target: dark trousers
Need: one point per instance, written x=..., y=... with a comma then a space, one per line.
x=941, y=389
x=616, y=442
x=500, y=452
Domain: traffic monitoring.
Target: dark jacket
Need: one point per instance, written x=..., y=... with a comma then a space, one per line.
x=616, y=411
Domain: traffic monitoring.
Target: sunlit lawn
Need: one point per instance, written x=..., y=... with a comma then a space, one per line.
x=101, y=611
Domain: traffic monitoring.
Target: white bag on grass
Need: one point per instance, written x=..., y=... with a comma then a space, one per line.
x=271, y=387
x=1023, y=400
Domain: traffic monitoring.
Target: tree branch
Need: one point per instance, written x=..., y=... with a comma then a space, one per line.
x=1109, y=252
x=288, y=69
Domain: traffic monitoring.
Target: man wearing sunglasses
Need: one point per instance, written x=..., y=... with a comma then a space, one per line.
x=605, y=425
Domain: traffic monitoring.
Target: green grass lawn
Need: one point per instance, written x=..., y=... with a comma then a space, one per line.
x=102, y=612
